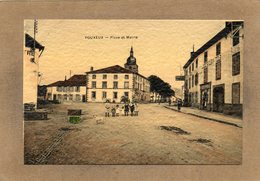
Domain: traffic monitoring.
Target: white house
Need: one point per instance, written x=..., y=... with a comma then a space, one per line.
x=71, y=90
x=114, y=83
x=31, y=54
x=214, y=73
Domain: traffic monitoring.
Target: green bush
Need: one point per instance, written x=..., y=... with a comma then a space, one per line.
x=74, y=119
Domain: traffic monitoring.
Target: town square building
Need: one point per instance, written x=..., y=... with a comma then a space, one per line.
x=214, y=73
x=71, y=90
x=116, y=83
x=32, y=53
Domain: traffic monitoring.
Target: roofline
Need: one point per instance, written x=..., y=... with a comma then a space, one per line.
x=131, y=72
x=227, y=28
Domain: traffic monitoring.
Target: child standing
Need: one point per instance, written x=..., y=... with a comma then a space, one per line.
x=132, y=108
x=107, y=109
x=117, y=110
x=136, y=109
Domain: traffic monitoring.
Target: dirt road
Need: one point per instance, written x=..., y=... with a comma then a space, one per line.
x=150, y=138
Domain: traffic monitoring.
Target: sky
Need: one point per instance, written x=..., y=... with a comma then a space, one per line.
x=161, y=47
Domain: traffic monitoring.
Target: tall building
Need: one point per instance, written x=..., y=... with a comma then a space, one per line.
x=131, y=62
x=31, y=55
x=214, y=73
x=116, y=83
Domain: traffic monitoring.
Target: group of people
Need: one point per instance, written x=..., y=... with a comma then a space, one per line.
x=117, y=110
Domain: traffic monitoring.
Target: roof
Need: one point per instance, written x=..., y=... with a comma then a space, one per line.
x=223, y=33
x=29, y=42
x=114, y=69
x=75, y=80
x=111, y=69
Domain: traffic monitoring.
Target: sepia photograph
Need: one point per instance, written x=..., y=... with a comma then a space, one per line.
x=132, y=92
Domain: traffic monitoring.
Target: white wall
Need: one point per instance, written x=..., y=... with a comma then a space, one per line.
x=227, y=50
x=53, y=90
x=110, y=79
x=30, y=77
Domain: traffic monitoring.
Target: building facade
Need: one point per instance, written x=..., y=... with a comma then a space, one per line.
x=214, y=73
x=71, y=90
x=32, y=52
x=116, y=83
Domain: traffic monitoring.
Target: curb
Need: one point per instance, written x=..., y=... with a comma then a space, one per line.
x=211, y=119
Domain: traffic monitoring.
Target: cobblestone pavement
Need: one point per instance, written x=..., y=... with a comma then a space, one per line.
x=157, y=136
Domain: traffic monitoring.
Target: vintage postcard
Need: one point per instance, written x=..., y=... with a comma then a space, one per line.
x=133, y=92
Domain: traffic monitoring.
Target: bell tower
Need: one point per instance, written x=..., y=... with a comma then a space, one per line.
x=131, y=62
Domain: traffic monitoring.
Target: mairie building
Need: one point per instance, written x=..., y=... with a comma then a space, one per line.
x=115, y=83
x=214, y=73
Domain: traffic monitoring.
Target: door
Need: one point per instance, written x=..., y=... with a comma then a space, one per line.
x=54, y=97
x=218, y=99
x=83, y=98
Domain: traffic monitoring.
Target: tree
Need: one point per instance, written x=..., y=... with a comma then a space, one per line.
x=157, y=85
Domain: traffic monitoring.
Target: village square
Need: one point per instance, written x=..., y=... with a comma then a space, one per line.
x=129, y=113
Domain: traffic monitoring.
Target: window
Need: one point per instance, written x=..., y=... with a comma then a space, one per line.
x=205, y=67
x=236, y=64
x=94, y=76
x=71, y=89
x=126, y=85
x=115, y=85
x=49, y=96
x=218, y=69
x=126, y=94
x=93, y=95
x=115, y=95
x=65, y=97
x=196, y=79
x=192, y=66
x=59, y=89
x=64, y=89
x=104, y=85
x=104, y=95
x=236, y=38
x=205, y=57
x=218, y=49
x=105, y=76
x=186, y=84
x=189, y=69
x=192, y=80
x=189, y=83
x=236, y=93
x=70, y=97
x=185, y=72
x=196, y=63
x=126, y=76
x=77, y=89
x=59, y=97
x=77, y=97
x=205, y=74
x=115, y=76
x=94, y=84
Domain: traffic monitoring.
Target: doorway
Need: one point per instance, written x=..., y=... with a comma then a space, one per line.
x=218, y=98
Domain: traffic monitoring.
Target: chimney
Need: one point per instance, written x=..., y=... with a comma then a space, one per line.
x=65, y=77
x=91, y=68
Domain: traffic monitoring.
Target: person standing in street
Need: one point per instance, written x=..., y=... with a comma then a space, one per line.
x=126, y=108
x=136, y=110
x=132, y=108
x=107, y=109
x=179, y=105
